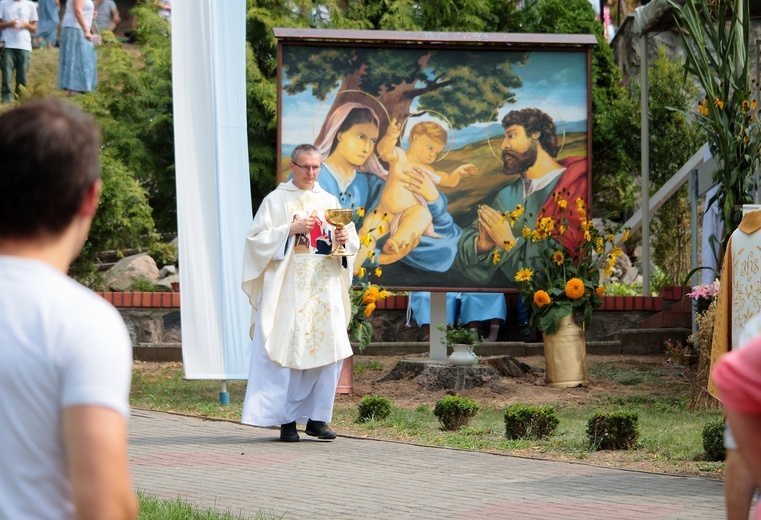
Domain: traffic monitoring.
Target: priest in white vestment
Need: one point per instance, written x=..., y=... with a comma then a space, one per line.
x=300, y=304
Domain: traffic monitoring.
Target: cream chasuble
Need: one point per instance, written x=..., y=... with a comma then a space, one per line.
x=739, y=296
x=301, y=296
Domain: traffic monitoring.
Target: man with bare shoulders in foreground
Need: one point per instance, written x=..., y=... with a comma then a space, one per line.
x=66, y=354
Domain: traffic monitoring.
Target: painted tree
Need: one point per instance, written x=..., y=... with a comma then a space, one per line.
x=464, y=88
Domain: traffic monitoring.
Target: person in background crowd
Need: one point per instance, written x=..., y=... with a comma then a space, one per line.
x=108, y=18
x=18, y=20
x=66, y=353
x=77, y=59
x=48, y=12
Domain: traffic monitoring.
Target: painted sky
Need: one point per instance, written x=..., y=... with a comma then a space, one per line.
x=555, y=82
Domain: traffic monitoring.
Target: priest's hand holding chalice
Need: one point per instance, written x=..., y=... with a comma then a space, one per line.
x=339, y=218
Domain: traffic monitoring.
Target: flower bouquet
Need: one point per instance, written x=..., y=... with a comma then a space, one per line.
x=704, y=295
x=363, y=302
x=568, y=263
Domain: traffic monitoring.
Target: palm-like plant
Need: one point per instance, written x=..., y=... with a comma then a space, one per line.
x=716, y=37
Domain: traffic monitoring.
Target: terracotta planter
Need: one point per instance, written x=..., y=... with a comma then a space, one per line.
x=565, y=356
x=346, y=379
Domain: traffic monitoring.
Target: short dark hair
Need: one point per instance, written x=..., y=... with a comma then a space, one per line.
x=49, y=153
x=302, y=149
x=534, y=120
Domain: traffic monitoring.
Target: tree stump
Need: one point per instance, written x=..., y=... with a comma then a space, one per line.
x=442, y=375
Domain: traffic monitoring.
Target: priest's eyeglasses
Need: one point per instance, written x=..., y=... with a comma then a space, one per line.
x=306, y=168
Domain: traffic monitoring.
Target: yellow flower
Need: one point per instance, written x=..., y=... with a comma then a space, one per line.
x=562, y=229
x=361, y=211
x=541, y=298
x=369, y=309
x=495, y=257
x=587, y=236
x=627, y=233
x=558, y=257
x=718, y=103
x=365, y=240
x=524, y=275
x=381, y=229
x=526, y=232
x=369, y=297
x=518, y=211
x=384, y=218
x=600, y=291
x=378, y=272
x=608, y=271
x=753, y=105
x=362, y=272
x=383, y=294
x=371, y=255
x=574, y=289
x=611, y=237
x=562, y=203
x=508, y=245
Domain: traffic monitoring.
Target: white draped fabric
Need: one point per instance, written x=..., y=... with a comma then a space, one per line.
x=213, y=193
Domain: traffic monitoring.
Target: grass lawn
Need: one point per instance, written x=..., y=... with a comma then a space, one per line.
x=670, y=435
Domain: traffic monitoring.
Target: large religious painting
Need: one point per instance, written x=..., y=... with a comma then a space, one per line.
x=439, y=147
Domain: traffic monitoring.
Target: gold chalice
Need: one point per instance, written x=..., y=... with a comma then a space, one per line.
x=339, y=218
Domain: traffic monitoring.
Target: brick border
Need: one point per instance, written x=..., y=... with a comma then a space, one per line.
x=396, y=302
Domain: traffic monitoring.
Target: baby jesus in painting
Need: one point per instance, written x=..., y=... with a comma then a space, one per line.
x=400, y=212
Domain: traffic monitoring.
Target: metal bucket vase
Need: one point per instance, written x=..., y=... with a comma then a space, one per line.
x=565, y=356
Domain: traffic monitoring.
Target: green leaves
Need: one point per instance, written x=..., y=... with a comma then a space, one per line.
x=716, y=38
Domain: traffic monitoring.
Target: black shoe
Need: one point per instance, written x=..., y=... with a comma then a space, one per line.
x=288, y=432
x=320, y=430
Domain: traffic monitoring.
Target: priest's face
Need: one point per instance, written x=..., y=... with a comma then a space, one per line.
x=305, y=170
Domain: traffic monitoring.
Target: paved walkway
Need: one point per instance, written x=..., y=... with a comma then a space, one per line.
x=228, y=466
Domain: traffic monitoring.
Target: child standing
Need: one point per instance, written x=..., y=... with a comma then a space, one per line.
x=400, y=212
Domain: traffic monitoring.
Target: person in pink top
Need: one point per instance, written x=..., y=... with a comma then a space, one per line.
x=737, y=376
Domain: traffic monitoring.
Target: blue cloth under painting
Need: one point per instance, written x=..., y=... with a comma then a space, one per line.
x=482, y=307
x=431, y=254
x=77, y=62
x=419, y=306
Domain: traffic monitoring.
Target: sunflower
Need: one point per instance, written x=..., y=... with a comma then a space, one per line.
x=495, y=257
x=558, y=257
x=378, y=272
x=362, y=272
x=574, y=289
x=508, y=245
x=361, y=211
x=524, y=275
x=541, y=298
x=526, y=232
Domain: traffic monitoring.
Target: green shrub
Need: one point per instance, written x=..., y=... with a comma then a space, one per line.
x=530, y=422
x=373, y=407
x=713, y=440
x=613, y=430
x=454, y=412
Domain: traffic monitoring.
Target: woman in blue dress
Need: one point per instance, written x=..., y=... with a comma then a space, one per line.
x=352, y=173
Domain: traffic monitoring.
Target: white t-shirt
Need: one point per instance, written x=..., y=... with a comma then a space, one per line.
x=69, y=20
x=18, y=10
x=61, y=345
